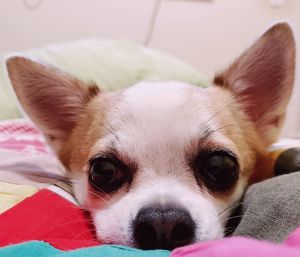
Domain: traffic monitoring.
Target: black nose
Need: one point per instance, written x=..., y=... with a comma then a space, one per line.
x=163, y=228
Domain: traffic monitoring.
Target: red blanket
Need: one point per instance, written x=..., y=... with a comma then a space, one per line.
x=48, y=217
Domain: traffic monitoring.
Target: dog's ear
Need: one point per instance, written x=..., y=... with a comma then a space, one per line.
x=52, y=98
x=262, y=80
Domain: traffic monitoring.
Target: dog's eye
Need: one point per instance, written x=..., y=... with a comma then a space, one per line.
x=219, y=170
x=106, y=175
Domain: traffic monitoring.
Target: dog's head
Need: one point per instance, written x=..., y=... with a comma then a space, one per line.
x=159, y=164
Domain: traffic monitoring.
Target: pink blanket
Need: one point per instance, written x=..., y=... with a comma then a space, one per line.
x=25, y=157
x=242, y=247
x=21, y=135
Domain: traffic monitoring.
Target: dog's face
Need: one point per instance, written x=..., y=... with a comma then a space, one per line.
x=160, y=164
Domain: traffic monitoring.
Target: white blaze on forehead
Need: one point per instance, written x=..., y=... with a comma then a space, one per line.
x=154, y=118
x=156, y=94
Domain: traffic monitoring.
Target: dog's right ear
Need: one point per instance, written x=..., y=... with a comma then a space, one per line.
x=262, y=80
x=51, y=98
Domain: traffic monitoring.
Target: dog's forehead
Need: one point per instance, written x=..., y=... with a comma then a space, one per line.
x=155, y=118
x=154, y=108
x=164, y=102
x=156, y=95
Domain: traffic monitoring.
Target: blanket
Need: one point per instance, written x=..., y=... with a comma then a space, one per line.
x=25, y=157
x=64, y=230
x=11, y=194
x=50, y=223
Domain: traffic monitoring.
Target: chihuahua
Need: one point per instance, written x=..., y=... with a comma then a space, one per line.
x=162, y=163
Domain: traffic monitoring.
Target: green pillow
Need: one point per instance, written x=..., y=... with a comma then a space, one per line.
x=111, y=64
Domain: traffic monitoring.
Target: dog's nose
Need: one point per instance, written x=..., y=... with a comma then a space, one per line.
x=163, y=228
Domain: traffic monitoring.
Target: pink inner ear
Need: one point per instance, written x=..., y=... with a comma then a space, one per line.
x=275, y=122
x=52, y=98
x=55, y=104
x=264, y=81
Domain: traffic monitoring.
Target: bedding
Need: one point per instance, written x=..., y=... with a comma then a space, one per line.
x=11, y=194
x=50, y=223
x=58, y=227
x=53, y=217
x=41, y=249
x=25, y=158
x=271, y=209
x=242, y=247
x=47, y=216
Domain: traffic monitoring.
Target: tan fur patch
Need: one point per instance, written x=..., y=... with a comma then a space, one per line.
x=90, y=128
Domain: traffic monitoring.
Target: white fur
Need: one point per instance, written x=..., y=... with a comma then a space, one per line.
x=154, y=122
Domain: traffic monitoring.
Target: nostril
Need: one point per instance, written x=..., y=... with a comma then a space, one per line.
x=182, y=233
x=145, y=233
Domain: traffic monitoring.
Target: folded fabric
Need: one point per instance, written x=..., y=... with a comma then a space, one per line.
x=271, y=209
x=47, y=216
x=25, y=157
x=39, y=170
x=21, y=135
x=11, y=194
x=42, y=249
x=242, y=247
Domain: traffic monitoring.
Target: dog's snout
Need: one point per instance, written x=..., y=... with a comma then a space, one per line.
x=163, y=228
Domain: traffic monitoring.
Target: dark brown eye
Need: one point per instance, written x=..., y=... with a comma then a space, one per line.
x=106, y=175
x=219, y=170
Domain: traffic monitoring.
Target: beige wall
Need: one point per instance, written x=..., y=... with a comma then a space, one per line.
x=63, y=20
x=207, y=34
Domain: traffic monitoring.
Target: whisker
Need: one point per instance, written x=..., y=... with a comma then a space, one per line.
x=228, y=231
x=232, y=217
x=101, y=197
x=220, y=128
x=230, y=208
x=93, y=230
x=68, y=223
x=223, y=107
x=111, y=129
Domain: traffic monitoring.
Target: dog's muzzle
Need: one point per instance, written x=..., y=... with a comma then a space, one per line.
x=163, y=228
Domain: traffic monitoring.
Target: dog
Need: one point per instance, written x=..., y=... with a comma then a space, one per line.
x=162, y=164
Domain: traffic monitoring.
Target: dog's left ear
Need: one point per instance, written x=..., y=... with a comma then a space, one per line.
x=53, y=99
x=262, y=80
